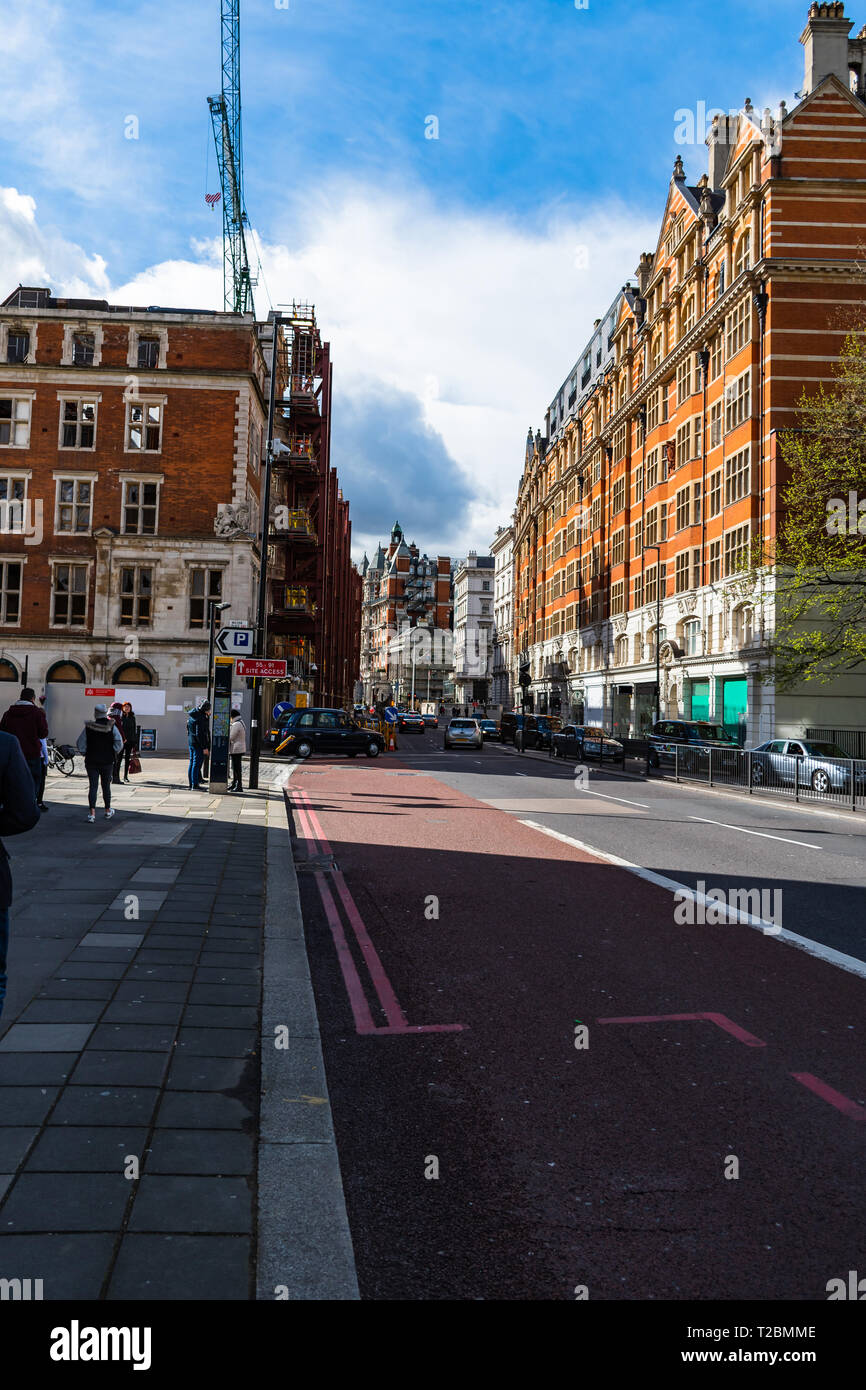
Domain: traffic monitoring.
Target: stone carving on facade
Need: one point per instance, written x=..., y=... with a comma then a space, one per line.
x=620, y=625
x=687, y=604
x=232, y=519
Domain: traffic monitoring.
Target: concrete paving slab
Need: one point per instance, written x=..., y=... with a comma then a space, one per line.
x=177, y=1268
x=113, y=940
x=191, y=1204
x=75, y=1265
x=45, y=1037
x=89, y=1202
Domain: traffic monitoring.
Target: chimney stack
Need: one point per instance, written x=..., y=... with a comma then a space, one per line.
x=644, y=272
x=825, y=39
x=720, y=142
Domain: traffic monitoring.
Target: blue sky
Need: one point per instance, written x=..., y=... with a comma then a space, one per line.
x=444, y=270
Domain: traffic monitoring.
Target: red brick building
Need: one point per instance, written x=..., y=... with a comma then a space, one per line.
x=648, y=488
x=131, y=447
x=314, y=589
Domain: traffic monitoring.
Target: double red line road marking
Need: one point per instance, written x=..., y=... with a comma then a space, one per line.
x=310, y=830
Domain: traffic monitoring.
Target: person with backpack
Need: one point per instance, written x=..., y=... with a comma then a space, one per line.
x=100, y=741
x=18, y=812
x=237, y=748
x=198, y=738
x=27, y=722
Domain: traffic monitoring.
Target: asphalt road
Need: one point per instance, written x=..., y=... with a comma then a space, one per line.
x=498, y=1159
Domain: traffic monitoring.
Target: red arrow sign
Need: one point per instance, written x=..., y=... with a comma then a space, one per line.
x=254, y=666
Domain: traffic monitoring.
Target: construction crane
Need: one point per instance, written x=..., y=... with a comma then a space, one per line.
x=225, y=111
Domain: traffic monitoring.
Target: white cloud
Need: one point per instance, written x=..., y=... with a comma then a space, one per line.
x=478, y=318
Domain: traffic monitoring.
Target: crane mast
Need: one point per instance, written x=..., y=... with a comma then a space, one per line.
x=225, y=111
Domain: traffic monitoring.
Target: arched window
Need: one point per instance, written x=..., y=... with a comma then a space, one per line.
x=637, y=649
x=620, y=657
x=132, y=673
x=744, y=251
x=656, y=354
x=8, y=672
x=66, y=671
x=689, y=314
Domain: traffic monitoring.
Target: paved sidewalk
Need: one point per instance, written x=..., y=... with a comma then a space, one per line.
x=131, y=1037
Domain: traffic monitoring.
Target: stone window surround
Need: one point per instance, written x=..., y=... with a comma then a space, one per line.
x=82, y=397
x=139, y=475
x=54, y=560
x=14, y=559
x=137, y=331
x=77, y=475
x=129, y=400
x=82, y=326
x=16, y=393
x=18, y=326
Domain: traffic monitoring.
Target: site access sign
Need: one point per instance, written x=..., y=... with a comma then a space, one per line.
x=255, y=666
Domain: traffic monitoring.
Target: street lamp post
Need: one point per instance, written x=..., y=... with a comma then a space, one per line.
x=658, y=551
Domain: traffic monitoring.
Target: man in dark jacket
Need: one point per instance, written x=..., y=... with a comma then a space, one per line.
x=27, y=722
x=18, y=812
x=100, y=741
x=198, y=737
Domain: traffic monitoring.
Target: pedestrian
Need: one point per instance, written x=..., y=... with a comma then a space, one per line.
x=115, y=714
x=237, y=748
x=198, y=738
x=101, y=742
x=18, y=812
x=129, y=729
x=26, y=722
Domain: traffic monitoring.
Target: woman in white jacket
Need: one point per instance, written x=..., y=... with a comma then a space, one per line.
x=237, y=748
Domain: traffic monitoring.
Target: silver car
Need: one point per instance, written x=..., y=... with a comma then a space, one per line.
x=824, y=767
x=464, y=733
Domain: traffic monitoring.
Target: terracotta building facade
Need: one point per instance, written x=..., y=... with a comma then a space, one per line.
x=648, y=488
x=406, y=622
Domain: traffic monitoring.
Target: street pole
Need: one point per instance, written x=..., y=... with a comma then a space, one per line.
x=658, y=551
x=412, y=659
x=211, y=603
x=262, y=611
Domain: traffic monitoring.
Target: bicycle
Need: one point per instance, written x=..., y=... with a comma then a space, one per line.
x=62, y=758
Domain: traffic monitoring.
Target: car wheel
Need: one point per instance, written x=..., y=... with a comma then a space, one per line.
x=303, y=749
x=758, y=774
x=372, y=750
x=820, y=781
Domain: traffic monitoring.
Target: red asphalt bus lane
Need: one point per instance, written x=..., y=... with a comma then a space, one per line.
x=428, y=912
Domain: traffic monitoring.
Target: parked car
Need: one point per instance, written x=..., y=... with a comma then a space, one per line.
x=510, y=725
x=489, y=728
x=306, y=731
x=585, y=743
x=824, y=767
x=411, y=723
x=539, y=729
x=463, y=733
x=671, y=737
